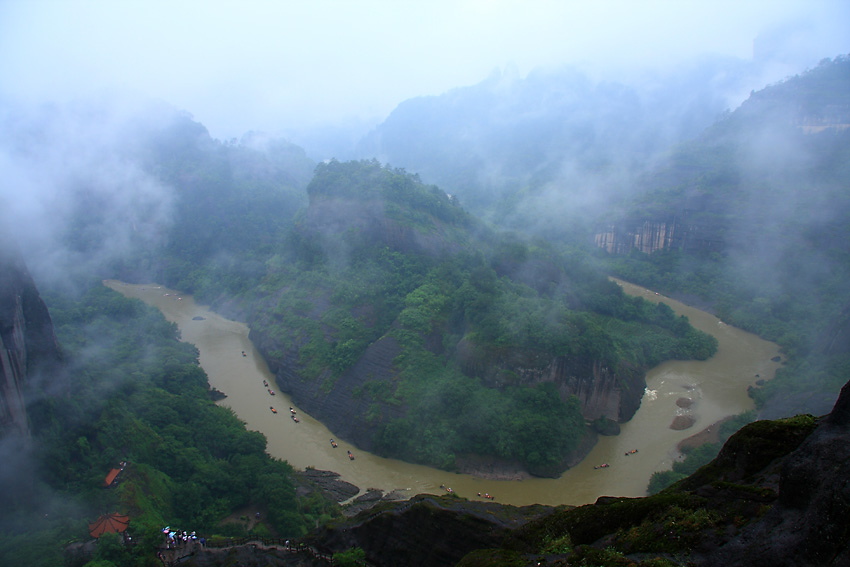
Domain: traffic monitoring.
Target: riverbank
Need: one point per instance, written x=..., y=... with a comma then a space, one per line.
x=710, y=434
x=717, y=386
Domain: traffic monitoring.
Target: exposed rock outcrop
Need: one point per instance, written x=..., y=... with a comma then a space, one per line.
x=777, y=495
x=329, y=483
x=681, y=422
x=810, y=523
x=602, y=391
x=650, y=234
x=338, y=405
x=426, y=530
x=29, y=354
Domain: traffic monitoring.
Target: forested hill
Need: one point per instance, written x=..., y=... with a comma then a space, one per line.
x=541, y=150
x=753, y=219
x=232, y=205
x=416, y=332
x=386, y=309
x=376, y=206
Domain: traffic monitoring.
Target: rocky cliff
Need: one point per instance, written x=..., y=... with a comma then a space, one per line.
x=390, y=292
x=29, y=354
x=602, y=391
x=650, y=234
x=341, y=406
x=777, y=495
x=810, y=522
x=426, y=530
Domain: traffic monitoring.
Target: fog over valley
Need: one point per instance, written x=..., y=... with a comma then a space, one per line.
x=586, y=256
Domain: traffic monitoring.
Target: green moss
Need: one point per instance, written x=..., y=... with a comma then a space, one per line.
x=562, y=544
x=586, y=556
x=747, y=491
x=352, y=557
x=674, y=530
x=587, y=524
x=751, y=450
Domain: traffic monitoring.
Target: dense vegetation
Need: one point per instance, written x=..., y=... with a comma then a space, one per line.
x=233, y=203
x=418, y=268
x=767, y=187
x=500, y=297
x=138, y=395
x=380, y=256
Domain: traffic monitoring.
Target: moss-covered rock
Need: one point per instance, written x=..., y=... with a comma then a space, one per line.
x=751, y=450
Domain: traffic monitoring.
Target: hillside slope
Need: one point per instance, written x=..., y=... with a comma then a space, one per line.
x=775, y=496
x=415, y=331
x=752, y=220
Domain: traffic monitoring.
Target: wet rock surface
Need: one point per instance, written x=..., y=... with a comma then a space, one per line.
x=30, y=358
x=426, y=530
x=681, y=422
x=329, y=483
x=810, y=523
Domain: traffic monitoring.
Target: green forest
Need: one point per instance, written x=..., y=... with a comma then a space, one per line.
x=781, y=216
x=139, y=396
x=336, y=264
x=475, y=298
x=376, y=253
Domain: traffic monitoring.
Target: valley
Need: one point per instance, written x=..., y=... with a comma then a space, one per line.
x=717, y=385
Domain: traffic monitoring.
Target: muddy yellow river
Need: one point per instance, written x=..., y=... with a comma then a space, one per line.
x=717, y=386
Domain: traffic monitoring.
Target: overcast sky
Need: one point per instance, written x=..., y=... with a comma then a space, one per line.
x=282, y=65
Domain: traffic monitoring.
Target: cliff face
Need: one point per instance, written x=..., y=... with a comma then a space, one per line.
x=426, y=530
x=777, y=495
x=339, y=405
x=810, y=523
x=602, y=391
x=29, y=353
x=649, y=235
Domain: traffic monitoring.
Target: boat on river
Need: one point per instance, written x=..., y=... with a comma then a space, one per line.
x=576, y=486
x=272, y=408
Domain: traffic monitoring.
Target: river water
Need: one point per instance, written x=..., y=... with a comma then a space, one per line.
x=717, y=387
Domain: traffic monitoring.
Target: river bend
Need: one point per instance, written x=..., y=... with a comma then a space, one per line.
x=716, y=386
